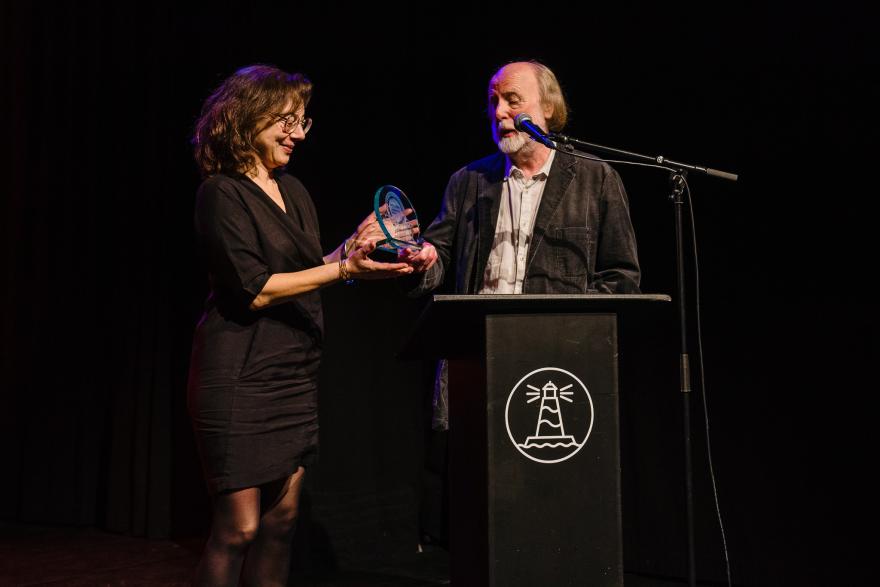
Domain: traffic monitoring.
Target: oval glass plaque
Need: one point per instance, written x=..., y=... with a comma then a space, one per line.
x=397, y=219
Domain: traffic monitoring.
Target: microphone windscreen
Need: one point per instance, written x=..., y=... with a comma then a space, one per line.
x=519, y=120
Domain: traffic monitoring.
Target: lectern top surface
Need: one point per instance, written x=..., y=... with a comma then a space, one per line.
x=454, y=324
x=526, y=298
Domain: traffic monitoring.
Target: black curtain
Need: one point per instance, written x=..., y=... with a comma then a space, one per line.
x=102, y=285
x=98, y=261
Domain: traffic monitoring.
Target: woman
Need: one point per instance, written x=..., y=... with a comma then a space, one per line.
x=253, y=376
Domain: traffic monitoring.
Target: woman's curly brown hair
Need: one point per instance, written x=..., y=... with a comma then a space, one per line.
x=236, y=112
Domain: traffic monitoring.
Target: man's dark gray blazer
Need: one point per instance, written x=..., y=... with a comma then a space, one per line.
x=582, y=242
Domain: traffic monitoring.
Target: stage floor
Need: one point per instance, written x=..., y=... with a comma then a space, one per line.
x=38, y=556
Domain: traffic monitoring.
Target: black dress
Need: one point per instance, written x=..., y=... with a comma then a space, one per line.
x=252, y=392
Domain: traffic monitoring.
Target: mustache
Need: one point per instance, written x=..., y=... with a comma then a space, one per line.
x=501, y=128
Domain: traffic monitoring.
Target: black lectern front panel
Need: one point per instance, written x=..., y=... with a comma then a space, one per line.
x=553, y=470
x=534, y=473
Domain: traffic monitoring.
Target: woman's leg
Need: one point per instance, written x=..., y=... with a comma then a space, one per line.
x=268, y=560
x=234, y=528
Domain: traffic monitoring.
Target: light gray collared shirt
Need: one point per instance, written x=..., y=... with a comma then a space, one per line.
x=520, y=198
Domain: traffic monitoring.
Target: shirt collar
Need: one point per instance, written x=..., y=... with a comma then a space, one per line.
x=513, y=170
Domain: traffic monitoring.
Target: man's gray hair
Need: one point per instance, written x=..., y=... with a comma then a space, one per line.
x=551, y=94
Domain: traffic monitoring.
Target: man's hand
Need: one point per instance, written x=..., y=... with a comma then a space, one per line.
x=419, y=259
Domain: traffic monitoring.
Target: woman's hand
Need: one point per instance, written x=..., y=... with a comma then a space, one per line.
x=368, y=231
x=419, y=259
x=360, y=266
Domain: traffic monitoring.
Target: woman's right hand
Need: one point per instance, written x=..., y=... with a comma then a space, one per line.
x=360, y=266
x=368, y=231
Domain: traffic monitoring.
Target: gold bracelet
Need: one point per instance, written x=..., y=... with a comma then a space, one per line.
x=344, y=275
x=343, y=270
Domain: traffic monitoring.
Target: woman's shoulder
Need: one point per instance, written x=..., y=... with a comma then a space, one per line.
x=222, y=187
x=221, y=193
x=220, y=183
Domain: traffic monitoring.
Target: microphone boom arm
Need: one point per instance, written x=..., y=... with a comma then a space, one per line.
x=561, y=139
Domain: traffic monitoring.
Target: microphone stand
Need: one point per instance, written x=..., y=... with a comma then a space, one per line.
x=677, y=184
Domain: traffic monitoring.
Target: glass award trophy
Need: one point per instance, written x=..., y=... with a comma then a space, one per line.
x=397, y=219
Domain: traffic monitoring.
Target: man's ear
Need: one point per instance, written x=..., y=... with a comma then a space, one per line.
x=548, y=110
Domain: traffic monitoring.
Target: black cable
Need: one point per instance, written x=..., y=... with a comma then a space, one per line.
x=703, y=394
x=699, y=323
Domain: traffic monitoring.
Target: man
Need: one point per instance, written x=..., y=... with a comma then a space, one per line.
x=528, y=219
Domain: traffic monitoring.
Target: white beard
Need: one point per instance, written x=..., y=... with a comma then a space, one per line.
x=512, y=144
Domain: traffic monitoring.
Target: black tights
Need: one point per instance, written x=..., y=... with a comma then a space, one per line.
x=251, y=535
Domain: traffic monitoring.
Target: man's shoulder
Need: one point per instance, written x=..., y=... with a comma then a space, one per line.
x=582, y=166
x=488, y=165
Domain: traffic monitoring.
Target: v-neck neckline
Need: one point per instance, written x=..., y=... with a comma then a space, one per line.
x=297, y=220
x=284, y=199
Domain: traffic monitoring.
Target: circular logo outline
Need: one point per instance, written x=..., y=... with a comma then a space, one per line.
x=507, y=419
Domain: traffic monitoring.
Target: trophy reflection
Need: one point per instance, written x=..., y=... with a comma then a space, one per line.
x=398, y=220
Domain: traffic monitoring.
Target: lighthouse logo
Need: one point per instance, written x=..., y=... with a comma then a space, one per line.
x=549, y=415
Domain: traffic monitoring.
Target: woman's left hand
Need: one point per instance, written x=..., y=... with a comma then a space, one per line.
x=361, y=266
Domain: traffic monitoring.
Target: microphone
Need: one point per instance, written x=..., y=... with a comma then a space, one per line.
x=523, y=123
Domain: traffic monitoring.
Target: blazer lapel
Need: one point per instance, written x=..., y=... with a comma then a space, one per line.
x=561, y=175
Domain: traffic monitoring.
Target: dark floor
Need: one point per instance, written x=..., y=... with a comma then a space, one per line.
x=76, y=557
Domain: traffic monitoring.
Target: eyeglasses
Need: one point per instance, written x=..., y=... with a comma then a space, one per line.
x=289, y=123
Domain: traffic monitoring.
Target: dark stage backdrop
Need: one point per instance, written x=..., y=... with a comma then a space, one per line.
x=102, y=286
